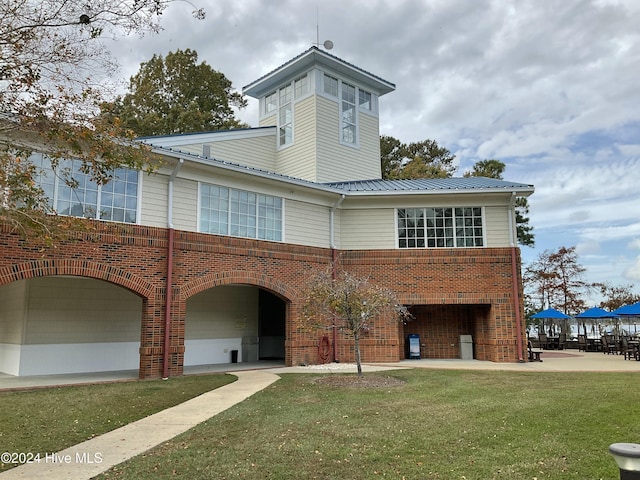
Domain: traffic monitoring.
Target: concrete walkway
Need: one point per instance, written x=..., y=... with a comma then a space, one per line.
x=90, y=458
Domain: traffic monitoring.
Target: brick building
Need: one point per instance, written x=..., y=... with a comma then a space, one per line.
x=208, y=256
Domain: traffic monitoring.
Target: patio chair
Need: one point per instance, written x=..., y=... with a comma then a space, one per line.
x=628, y=351
x=543, y=341
x=562, y=341
x=582, y=343
x=609, y=344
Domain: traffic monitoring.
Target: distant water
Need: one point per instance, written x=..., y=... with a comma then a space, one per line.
x=595, y=331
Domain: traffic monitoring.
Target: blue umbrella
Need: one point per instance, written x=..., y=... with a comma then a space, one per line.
x=594, y=314
x=628, y=309
x=550, y=313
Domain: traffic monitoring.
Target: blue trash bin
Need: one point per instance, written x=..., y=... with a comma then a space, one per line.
x=414, y=346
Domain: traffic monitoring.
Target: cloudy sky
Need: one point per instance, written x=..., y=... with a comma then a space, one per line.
x=551, y=88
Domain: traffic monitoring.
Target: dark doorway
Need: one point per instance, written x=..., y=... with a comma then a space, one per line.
x=271, y=326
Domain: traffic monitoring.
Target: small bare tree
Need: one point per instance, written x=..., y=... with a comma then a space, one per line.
x=351, y=304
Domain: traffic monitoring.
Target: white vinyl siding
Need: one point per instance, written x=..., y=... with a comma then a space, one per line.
x=307, y=224
x=256, y=152
x=155, y=207
x=372, y=229
x=337, y=162
x=154, y=200
x=185, y=201
x=497, y=226
x=270, y=120
x=298, y=160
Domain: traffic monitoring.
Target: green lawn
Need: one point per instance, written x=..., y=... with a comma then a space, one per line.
x=50, y=419
x=439, y=425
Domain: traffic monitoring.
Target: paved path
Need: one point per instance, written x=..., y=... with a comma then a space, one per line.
x=90, y=458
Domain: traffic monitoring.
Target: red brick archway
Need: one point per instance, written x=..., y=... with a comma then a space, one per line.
x=78, y=268
x=212, y=280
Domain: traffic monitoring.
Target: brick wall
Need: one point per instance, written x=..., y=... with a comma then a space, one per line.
x=475, y=283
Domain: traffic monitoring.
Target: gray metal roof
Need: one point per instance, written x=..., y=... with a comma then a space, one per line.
x=431, y=185
x=365, y=187
x=312, y=56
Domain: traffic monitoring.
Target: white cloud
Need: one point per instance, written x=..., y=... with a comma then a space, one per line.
x=633, y=272
x=550, y=88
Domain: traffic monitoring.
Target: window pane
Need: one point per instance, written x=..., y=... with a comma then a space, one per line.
x=214, y=209
x=410, y=227
x=440, y=227
x=270, y=102
x=348, y=113
x=364, y=100
x=331, y=85
x=301, y=86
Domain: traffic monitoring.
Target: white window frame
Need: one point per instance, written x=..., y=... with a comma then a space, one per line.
x=270, y=103
x=329, y=87
x=333, y=88
x=281, y=102
x=442, y=240
x=348, y=114
x=93, y=209
x=285, y=115
x=244, y=219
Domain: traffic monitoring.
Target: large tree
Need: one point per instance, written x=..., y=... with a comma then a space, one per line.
x=176, y=94
x=424, y=159
x=615, y=296
x=492, y=168
x=555, y=280
x=52, y=62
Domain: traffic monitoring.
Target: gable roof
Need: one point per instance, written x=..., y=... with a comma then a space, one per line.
x=315, y=56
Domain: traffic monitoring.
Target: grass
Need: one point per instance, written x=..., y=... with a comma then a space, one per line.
x=51, y=419
x=439, y=425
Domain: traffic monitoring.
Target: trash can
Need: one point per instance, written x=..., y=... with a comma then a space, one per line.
x=250, y=349
x=234, y=356
x=414, y=346
x=466, y=347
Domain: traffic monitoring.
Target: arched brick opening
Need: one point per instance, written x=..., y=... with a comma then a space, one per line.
x=267, y=282
x=263, y=337
x=78, y=268
x=67, y=270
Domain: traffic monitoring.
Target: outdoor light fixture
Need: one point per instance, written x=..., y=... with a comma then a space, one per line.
x=627, y=456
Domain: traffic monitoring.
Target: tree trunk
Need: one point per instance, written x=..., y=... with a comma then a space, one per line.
x=356, y=341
